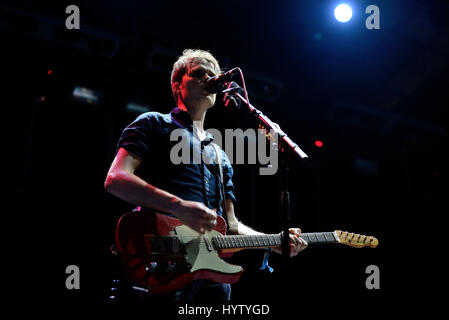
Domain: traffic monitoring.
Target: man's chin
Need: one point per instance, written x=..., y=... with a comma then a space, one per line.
x=206, y=102
x=209, y=102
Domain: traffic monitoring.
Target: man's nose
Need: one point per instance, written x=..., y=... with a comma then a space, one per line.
x=204, y=79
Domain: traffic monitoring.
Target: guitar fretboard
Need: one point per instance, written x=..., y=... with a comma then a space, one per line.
x=266, y=240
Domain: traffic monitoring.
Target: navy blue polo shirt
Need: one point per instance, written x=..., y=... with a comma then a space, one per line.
x=198, y=178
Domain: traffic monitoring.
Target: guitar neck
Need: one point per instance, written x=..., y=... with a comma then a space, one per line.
x=266, y=240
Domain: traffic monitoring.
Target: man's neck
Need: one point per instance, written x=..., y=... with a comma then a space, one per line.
x=197, y=115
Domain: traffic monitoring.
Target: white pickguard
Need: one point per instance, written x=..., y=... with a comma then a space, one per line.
x=199, y=256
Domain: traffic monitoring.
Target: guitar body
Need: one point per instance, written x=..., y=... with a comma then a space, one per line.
x=162, y=254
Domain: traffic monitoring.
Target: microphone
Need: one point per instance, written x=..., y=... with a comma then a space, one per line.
x=214, y=84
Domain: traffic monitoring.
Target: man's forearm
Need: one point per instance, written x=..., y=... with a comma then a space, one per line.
x=243, y=229
x=131, y=188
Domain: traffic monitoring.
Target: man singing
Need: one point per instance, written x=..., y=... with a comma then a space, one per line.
x=143, y=174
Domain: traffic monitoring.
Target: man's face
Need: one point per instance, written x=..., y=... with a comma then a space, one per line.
x=192, y=88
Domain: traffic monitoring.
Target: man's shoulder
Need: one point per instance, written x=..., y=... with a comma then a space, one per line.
x=154, y=116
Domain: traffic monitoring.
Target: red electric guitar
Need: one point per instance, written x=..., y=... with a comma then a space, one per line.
x=161, y=254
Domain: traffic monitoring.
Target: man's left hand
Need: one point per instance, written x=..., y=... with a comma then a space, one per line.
x=297, y=244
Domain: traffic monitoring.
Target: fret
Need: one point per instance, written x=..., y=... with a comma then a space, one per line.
x=231, y=242
x=272, y=241
x=278, y=240
x=236, y=241
x=253, y=241
x=329, y=236
x=262, y=240
x=320, y=237
x=226, y=242
x=267, y=241
x=246, y=241
x=242, y=241
x=218, y=242
x=268, y=238
x=239, y=241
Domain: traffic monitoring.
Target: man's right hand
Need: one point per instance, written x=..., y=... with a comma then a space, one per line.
x=195, y=215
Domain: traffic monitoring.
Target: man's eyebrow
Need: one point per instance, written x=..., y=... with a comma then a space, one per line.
x=205, y=68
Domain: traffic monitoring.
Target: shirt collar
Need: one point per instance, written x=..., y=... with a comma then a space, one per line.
x=182, y=119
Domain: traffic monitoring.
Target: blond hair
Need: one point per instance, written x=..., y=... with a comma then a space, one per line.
x=187, y=60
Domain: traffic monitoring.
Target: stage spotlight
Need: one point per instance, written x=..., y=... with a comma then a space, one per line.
x=343, y=13
x=86, y=95
x=137, y=108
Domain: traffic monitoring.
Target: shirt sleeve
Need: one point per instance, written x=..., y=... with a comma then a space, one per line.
x=137, y=136
x=228, y=172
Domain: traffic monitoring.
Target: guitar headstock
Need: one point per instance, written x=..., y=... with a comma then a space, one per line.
x=355, y=240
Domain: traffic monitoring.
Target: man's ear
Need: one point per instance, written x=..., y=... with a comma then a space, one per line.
x=177, y=86
x=177, y=91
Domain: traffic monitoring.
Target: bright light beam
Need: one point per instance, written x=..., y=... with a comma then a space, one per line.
x=343, y=13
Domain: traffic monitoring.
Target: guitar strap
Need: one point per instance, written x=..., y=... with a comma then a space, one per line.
x=222, y=191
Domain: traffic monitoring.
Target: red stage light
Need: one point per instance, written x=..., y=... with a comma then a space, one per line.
x=50, y=72
x=318, y=143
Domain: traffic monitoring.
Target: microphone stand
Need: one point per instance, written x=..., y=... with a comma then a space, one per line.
x=286, y=146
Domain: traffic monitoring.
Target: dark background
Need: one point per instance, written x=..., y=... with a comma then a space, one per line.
x=376, y=98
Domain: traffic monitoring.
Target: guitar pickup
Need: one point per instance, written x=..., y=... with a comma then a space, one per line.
x=163, y=245
x=175, y=244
